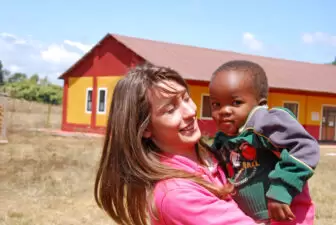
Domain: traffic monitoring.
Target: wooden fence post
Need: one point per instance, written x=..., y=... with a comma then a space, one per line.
x=48, y=124
x=3, y=128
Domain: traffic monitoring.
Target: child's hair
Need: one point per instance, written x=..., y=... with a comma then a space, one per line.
x=130, y=164
x=257, y=73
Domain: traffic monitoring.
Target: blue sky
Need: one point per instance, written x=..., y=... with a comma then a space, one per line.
x=46, y=37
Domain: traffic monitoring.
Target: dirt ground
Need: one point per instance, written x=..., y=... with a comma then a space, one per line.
x=47, y=179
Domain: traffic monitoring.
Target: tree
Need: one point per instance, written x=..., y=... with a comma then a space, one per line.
x=334, y=62
x=17, y=77
x=34, y=79
x=26, y=89
x=6, y=74
x=17, y=85
x=44, y=81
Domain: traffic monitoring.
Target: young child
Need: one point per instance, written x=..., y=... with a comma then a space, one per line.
x=266, y=153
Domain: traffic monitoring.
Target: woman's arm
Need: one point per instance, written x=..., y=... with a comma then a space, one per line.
x=188, y=203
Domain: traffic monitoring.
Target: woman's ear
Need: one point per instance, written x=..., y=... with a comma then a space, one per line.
x=147, y=133
x=263, y=101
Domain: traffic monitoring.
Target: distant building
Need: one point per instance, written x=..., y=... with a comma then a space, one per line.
x=309, y=90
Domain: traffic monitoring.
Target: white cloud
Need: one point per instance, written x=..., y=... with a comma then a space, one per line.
x=59, y=55
x=28, y=55
x=12, y=38
x=307, y=38
x=319, y=38
x=14, y=68
x=80, y=46
x=251, y=42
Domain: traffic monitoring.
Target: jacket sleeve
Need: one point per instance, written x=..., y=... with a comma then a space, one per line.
x=193, y=204
x=297, y=150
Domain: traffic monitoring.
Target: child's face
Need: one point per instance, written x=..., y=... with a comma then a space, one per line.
x=232, y=98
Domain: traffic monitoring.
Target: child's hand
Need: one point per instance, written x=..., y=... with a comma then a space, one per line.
x=279, y=211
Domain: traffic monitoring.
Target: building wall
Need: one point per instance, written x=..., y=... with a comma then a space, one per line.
x=196, y=92
x=109, y=83
x=310, y=107
x=278, y=99
x=100, y=68
x=76, y=100
x=109, y=60
x=315, y=106
x=197, y=89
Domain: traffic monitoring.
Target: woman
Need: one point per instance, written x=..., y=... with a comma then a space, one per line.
x=154, y=168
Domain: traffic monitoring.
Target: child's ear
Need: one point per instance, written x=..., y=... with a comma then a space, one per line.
x=263, y=101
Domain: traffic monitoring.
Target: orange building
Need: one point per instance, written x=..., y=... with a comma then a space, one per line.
x=305, y=88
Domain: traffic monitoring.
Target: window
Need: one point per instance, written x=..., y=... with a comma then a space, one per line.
x=206, y=107
x=292, y=106
x=102, y=94
x=88, y=105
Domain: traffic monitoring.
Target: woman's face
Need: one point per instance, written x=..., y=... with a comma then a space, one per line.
x=173, y=127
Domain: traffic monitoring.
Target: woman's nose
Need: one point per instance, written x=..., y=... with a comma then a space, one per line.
x=189, y=110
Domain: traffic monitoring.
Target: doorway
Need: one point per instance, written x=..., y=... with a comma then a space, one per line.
x=328, y=127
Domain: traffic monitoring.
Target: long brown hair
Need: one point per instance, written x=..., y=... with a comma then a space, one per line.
x=129, y=165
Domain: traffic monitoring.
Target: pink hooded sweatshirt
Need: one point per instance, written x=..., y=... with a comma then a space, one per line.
x=183, y=202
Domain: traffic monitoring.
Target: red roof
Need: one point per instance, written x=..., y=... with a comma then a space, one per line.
x=195, y=63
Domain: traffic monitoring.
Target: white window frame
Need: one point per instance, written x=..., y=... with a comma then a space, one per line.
x=293, y=102
x=98, y=95
x=201, y=113
x=86, y=99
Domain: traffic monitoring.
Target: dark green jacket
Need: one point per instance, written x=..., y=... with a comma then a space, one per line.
x=272, y=157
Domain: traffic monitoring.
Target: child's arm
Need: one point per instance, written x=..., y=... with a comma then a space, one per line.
x=297, y=150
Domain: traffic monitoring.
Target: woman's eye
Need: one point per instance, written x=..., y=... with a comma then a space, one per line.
x=186, y=98
x=215, y=105
x=170, y=109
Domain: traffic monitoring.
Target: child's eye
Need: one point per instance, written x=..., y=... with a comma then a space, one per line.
x=237, y=102
x=215, y=105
